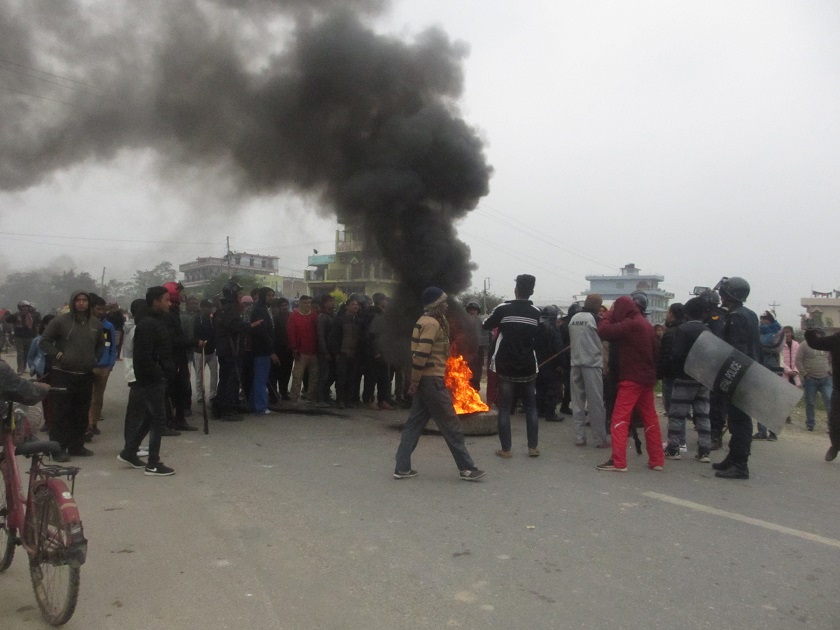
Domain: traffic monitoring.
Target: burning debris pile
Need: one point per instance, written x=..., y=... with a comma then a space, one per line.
x=464, y=398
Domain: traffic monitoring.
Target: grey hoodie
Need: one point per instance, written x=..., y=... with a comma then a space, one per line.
x=586, y=347
x=75, y=342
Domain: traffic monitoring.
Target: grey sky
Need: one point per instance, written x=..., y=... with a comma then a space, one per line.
x=693, y=139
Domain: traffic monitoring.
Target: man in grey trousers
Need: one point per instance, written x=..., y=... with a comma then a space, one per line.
x=587, y=374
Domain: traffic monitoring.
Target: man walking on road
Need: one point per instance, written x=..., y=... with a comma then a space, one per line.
x=153, y=367
x=431, y=399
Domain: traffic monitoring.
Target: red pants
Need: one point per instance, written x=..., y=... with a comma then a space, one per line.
x=634, y=395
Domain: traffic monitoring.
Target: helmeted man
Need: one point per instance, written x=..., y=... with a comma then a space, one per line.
x=227, y=328
x=549, y=349
x=740, y=330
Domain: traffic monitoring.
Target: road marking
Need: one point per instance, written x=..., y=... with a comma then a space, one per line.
x=699, y=507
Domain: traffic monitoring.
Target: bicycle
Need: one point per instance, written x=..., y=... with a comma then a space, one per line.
x=46, y=523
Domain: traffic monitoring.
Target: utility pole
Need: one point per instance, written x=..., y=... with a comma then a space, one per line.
x=228, y=256
x=486, y=286
x=102, y=284
x=773, y=305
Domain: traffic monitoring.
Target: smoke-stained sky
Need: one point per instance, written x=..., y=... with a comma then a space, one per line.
x=694, y=140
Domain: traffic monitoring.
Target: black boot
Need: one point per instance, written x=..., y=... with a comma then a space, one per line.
x=726, y=464
x=735, y=471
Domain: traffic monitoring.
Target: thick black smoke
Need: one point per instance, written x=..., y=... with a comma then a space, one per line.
x=278, y=96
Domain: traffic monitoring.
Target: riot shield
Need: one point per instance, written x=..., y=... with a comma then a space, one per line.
x=748, y=385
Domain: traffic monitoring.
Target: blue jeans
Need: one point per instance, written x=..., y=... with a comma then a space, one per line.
x=528, y=392
x=432, y=400
x=812, y=386
x=259, y=388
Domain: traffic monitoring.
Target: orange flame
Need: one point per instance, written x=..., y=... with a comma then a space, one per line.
x=464, y=398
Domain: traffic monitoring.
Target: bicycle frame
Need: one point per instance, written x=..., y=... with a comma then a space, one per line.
x=41, y=475
x=75, y=552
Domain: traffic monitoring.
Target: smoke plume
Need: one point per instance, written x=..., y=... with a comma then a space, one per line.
x=292, y=95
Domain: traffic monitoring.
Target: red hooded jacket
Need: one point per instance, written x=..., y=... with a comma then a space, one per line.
x=631, y=336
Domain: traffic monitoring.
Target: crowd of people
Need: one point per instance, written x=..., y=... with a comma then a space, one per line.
x=599, y=365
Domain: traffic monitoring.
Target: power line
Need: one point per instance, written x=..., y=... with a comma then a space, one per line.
x=45, y=98
x=532, y=233
x=49, y=74
x=112, y=240
x=532, y=261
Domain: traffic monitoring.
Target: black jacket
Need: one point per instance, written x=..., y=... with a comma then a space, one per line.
x=262, y=336
x=181, y=343
x=203, y=327
x=517, y=321
x=152, y=350
x=683, y=339
x=830, y=344
x=741, y=331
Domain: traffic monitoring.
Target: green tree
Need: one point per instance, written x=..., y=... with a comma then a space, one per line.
x=162, y=273
x=45, y=288
x=122, y=293
x=488, y=301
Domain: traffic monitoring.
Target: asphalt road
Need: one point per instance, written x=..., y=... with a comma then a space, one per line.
x=294, y=521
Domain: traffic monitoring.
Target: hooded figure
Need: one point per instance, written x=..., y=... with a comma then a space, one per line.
x=634, y=340
x=74, y=342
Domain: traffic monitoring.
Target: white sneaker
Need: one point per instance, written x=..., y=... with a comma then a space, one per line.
x=143, y=451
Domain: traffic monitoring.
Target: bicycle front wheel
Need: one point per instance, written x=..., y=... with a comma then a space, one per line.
x=8, y=535
x=55, y=582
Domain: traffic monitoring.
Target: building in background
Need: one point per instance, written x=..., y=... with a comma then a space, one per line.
x=631, y=279
x=354, y=268
x=823, y=310
x=203, y=270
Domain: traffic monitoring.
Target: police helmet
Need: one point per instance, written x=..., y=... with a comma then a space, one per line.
x=574, y=309
x=710, y=298
x=473, y=304
x=734, y=288
x=550, y=311
x=641, y=300
x=231, y=290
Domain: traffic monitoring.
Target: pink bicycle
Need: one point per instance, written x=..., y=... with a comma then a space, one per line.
x=45, y=522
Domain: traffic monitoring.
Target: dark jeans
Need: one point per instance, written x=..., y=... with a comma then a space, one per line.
x=178, y=393
x=346, y=379
x=717, y=414
x=380, y=373
x=326, y=376
x=227, y=396
x=148, y=405
x=548, y=393
x=433, y=400
x=476, y=363
x=812, y=386
x=259, y=387
x=528, y=393
x=21, y=350
x=740, y=431
x=71, y=409
x=133, y=414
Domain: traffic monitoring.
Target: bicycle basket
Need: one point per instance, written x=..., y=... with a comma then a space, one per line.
x=28, y=421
